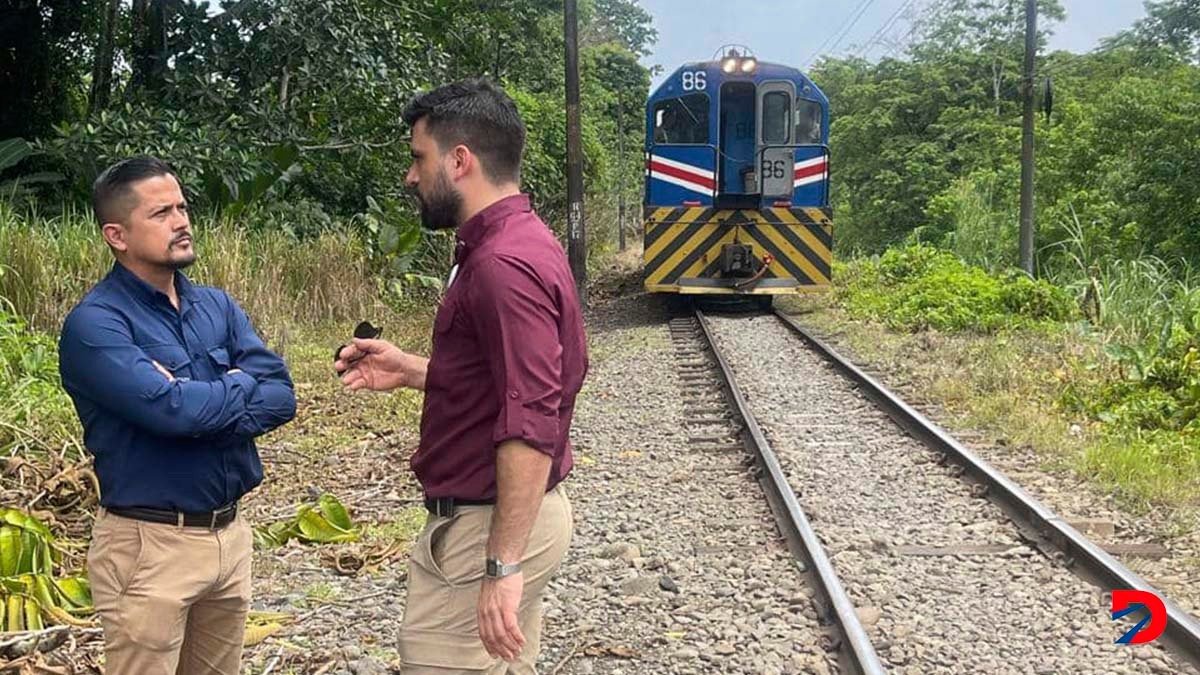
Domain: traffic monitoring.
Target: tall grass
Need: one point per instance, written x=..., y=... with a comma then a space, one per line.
x=47, y=265
x=984, y=230
x=1129, y=300
x=289, y=288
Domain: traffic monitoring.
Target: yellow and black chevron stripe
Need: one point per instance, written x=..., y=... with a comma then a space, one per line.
x=684, y=244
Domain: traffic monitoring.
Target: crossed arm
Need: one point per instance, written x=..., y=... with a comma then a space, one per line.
x=100, y=361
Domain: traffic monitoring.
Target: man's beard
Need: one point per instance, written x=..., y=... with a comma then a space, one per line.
x=439, y=211
x=178, y=261
x=181, y=263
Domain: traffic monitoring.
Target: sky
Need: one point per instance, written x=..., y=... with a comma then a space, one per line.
x=778, y=30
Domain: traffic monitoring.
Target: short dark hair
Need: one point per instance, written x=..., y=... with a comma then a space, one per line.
x=478, y=114
x=111, y=191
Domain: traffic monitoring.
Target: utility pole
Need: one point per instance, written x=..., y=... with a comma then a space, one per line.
x=576, y=234
x=620, y=182
x=1027, y=166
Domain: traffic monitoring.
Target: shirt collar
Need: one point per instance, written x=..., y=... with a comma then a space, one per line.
x=150, y=294
x=476, y=229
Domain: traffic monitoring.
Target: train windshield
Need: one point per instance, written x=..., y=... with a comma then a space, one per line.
x=776, y=111
x=682, y=121
x=808, y=122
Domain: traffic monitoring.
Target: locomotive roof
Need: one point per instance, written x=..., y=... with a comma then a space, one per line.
x=764, y=72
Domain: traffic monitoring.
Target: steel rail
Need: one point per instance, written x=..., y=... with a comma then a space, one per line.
x=1182, y=633
x=857, y=654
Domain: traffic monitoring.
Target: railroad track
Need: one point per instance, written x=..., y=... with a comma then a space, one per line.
x=923, y=557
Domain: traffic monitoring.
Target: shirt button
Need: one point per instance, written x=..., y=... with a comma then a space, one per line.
x=512, y=394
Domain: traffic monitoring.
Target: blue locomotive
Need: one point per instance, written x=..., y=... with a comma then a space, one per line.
x=737, y=180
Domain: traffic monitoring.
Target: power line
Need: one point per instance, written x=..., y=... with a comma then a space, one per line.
x=853, y=23
x=917, y=23
x=878, y=35
x=829, y=38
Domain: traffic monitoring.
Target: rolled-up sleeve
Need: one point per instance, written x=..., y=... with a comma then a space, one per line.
x=516, y=320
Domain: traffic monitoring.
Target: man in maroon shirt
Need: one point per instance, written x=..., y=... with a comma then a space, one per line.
x=509, y=357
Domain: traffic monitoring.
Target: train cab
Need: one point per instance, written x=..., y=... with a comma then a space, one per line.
x=737, y=180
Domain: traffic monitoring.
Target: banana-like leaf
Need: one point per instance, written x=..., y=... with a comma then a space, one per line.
x=33, y=615
x=29, y=593
x=15, y=620
x=13, y=150
x=262, y=625
x=314, y=527
x=335, y=513
x=10, y=550
x=76, y=592
x=325, y=522
x=258, y=633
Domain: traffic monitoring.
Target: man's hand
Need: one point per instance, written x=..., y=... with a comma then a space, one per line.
x=166, y=373
x=498, y=626
x=379, y=365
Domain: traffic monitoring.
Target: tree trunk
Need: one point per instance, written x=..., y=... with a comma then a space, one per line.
x=25, y=76
x=284, y=80
x=103, y=65
x=149, y=45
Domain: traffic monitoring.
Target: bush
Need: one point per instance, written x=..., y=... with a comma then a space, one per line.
x=35, y=413
x=921, y=287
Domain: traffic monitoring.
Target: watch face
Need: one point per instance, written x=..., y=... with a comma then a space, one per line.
x=497, y=569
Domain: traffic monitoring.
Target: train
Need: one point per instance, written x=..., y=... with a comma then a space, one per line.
x=736, y=199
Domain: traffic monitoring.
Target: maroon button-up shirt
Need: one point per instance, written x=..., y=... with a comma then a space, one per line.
x=509, y=354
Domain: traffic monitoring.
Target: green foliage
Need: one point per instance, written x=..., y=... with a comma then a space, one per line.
x=977, y=225
x=30, y=596
x=323, y=522
x=1173, y=25
x=35, y=413
x=919, y=287
x=931, y=142
x=1157, y=382
x=285, y=114
x=215, y=162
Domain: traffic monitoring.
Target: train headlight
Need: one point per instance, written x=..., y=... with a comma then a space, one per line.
x=729, y=65
x=749, y=65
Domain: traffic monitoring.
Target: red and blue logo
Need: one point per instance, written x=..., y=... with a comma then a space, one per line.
x=1152, y=611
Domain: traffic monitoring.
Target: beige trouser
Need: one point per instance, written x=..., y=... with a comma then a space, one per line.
x=440, y=633
x=171, y=599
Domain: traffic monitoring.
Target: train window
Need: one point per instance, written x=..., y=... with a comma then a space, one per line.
x=776, y=110
x=682, y=121
x=808, y=123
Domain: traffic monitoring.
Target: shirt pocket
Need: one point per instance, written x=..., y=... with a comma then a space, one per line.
x=172, y=357
x=220, y=358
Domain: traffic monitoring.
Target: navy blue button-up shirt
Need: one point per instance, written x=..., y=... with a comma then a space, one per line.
x=186, y=444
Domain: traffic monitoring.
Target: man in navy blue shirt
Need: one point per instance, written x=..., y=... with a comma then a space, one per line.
x=172, y=385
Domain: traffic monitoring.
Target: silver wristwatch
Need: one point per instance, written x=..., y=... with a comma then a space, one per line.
x=498, y=570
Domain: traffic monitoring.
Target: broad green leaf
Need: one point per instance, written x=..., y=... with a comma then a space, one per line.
x=12, y=151
x=315, y=528
x=334, y=512
x=389, y=239
x=76, y=590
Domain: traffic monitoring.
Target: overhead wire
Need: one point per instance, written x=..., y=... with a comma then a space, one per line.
x=830, y=37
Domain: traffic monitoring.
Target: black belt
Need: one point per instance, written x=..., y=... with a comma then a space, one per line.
x=446, y=506
x=213, y=520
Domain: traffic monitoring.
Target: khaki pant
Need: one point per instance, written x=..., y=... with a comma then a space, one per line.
x=171, y=600
x=440, y=633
